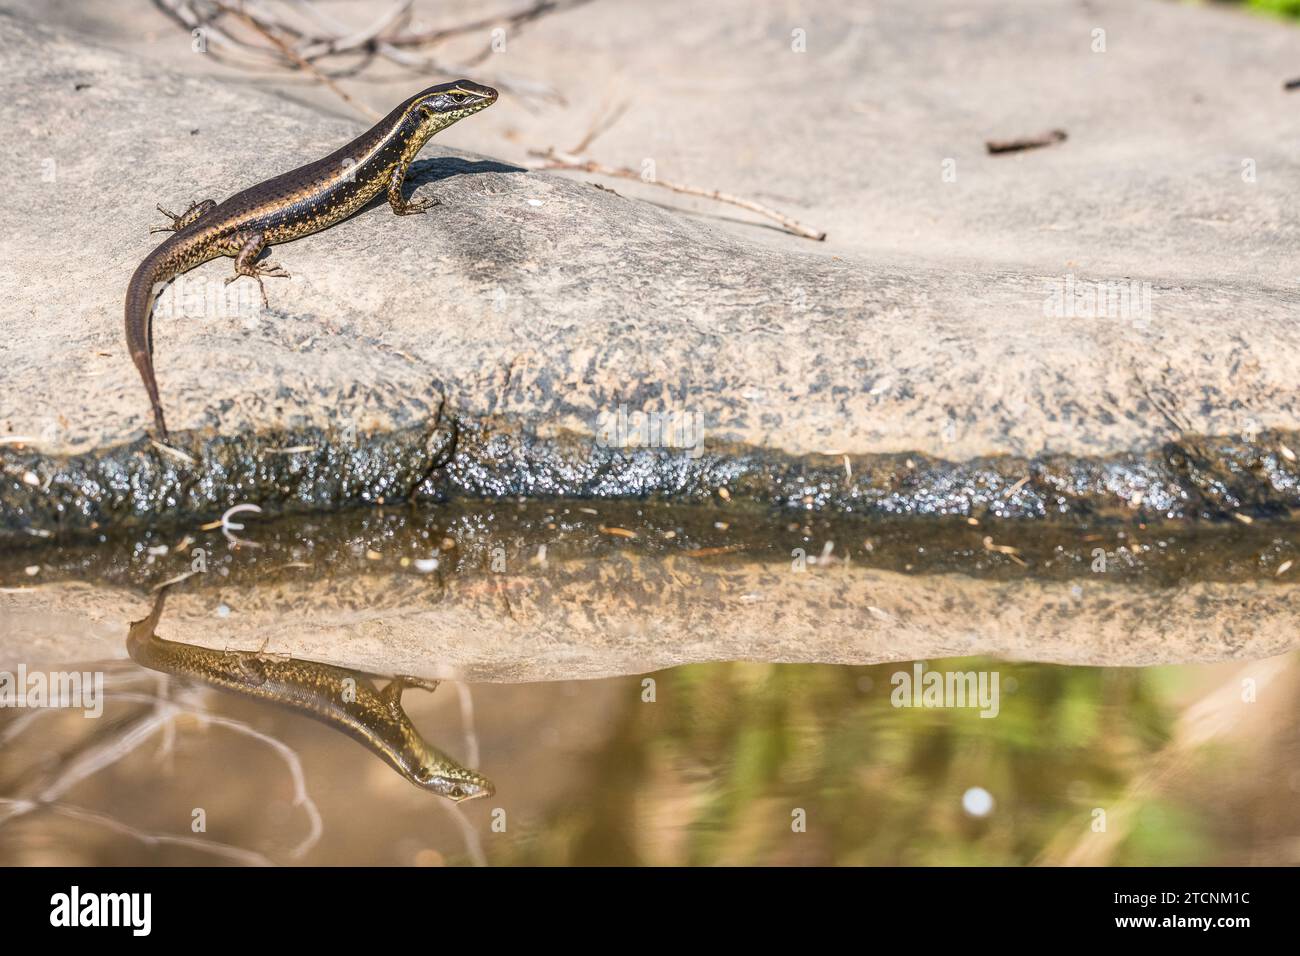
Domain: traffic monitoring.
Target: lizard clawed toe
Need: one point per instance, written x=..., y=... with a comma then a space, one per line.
x=415, y=206
x=168, y=228
x=267, y=269
x=196, y=211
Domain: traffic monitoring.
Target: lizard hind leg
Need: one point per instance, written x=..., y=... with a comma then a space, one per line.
x=196, y=211
x=392, y=694
x=250, y=246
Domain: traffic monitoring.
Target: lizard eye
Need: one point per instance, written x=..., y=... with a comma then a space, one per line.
x=459, y=97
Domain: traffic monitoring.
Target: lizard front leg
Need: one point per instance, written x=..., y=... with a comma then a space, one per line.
x=250, y=246
x=196, y=210
x=400, y=205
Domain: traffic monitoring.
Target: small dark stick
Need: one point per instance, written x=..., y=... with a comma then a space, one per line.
x=1029, y=142
x=1292, y=84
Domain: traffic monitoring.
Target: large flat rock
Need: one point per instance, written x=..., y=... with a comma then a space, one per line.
x=856, y=378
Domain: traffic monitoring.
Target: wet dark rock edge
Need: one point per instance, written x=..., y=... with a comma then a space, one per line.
x=644, y=542
x=1207, y=478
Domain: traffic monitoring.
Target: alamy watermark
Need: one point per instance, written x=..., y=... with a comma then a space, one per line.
x=620, y=428
x=1072, y=298
x=130, y=910
x=922, y=688
x=200, y=297
x=63, y=689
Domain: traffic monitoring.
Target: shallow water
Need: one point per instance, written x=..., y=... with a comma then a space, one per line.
x=363, y=540
x=716, y=762
x=714, y=770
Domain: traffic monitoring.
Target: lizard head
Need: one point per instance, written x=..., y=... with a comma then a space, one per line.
x=440, y=106
x=439, y=774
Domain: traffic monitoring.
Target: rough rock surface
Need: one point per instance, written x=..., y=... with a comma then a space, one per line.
x=529, y=304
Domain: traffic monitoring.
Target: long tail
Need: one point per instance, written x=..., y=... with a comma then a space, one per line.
x=157, y=269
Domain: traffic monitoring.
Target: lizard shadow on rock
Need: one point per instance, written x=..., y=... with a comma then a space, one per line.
x=443, y=167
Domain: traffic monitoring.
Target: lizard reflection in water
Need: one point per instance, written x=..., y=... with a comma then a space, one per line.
x=346, y=700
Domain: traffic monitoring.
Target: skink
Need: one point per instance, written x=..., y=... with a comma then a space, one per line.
x=344, y=699
x=295, y=204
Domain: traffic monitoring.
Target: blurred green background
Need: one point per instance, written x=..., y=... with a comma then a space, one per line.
x=711, y=772
x=1190, y=764
x=1287, y=8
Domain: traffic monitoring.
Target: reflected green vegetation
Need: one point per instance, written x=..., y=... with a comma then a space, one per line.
x=1184, y=764
x=711, y=772
x=1286, y=8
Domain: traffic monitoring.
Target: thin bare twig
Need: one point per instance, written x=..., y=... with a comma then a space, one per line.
x=599, y=125
x=46, y=794
x=301, y=797
x=513, y=84
x=101, y=755
x=473, y=845
x=297, y=58
x=294, y=45
x=995, y=146
x=150, y=838
x=554, y=159
x=250, y=857
x=183, y=13
x=467, y=724
x=534, y=11
x=358, y=39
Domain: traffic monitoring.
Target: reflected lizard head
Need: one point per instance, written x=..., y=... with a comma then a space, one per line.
x=439, y=774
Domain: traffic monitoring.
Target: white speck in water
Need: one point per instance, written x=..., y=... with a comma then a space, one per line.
x=223, y=610
x=977, y=802
x=535, y=202
x=426, y=565
x=32, y=570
